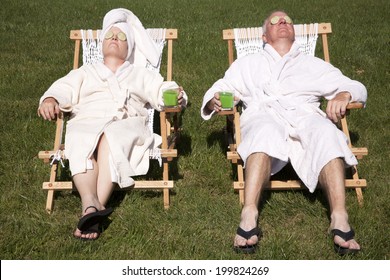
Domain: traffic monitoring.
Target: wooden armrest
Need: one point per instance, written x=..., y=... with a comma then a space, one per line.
x=176, y=109
x=355, y=105
x=226, y=112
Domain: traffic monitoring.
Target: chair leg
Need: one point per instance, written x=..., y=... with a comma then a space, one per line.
x=166, y=191
x=50, y=193
x=50, y=201
x=241, y=197
x=166, y=198
x=359, y=195
x=355, y=175
x=359, y=192
x=240, y=173
x=237, y=138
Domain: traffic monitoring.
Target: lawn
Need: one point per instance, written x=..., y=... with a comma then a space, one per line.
x=35, y=50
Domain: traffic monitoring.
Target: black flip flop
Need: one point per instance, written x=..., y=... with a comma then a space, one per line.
x=346, y=236
x=91, y=219
x=247, y=249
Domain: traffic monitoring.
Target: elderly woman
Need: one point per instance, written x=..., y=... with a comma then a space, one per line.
x=107, y=138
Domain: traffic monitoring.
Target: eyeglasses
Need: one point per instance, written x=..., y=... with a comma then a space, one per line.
x=121, y=36
x=275, y=19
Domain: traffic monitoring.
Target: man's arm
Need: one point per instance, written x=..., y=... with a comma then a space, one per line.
x=213, y=105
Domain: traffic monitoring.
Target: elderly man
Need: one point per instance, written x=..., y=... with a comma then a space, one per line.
x=281, y=90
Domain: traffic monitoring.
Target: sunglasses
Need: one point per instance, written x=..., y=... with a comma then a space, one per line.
x=121, y=36
x=275, y=19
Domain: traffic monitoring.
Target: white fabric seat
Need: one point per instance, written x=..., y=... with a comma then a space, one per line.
x=249, y=40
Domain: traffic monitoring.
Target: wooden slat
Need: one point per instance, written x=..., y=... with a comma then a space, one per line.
x=226, y=112
x=355, y=183
x=358, y=152
x=233, y=156
x=168, y=153
x=58, y=186
x=296, y=184
x=172, y=109
x=45, y=155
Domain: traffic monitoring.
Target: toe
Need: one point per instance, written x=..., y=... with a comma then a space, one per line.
x=252, y=241
x=77, y=233
x=91, y=236
x=353, y=244
x=350, y=244
x=239, y=241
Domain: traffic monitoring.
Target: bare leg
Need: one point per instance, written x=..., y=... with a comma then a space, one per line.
x=332, y=179
x=86, y=186
x=257, y=175
x=95, y=186
x=104, y=182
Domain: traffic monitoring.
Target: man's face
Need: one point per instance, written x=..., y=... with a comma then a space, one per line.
x=278, y=26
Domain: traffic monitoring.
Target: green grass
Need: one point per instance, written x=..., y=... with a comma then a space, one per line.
x=35, y=51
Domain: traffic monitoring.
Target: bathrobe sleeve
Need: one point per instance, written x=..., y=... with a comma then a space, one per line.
x=150, y=88
x=329, y=80
x=66, y=89
x=239, y=79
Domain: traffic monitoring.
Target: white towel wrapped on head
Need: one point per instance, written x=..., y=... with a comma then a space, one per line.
x=141, y=47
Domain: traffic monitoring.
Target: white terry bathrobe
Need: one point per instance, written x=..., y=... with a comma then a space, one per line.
x=101, y=101
x=282, y=118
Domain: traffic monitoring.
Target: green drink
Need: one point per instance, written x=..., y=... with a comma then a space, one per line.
x=170, y=98
x=227, y=100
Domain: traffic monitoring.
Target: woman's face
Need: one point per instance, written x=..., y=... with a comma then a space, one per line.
x=115, y=44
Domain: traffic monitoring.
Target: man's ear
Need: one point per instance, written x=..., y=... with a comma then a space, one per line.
x=264, y=38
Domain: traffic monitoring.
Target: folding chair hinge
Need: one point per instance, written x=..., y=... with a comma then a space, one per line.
x=57, y=157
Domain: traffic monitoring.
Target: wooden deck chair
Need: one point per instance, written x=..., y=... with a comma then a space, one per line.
x=249, y=40
x=88, y=42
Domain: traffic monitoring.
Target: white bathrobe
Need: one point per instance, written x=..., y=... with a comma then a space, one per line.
x=281, y=97
x=114, y=104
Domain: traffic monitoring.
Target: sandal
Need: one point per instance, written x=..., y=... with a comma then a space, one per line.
x=90, y=223
x=346, y=236
x=247, y=249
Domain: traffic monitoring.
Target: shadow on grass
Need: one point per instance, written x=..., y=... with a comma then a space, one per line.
x=218, y=137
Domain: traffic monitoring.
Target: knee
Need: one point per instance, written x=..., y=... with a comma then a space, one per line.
x=259, y=157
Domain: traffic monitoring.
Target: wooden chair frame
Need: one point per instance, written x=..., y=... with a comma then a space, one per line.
x=234, y=133
x=169, y=125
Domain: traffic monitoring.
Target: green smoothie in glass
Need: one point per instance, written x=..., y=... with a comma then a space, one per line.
x=227, y=100
x=170, y=98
